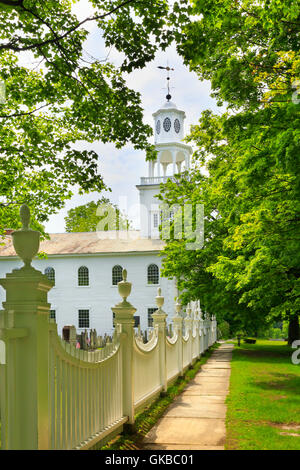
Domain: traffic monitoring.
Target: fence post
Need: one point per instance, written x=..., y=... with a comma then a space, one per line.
x=201, y=329
x=177, y=321
x=214, y=328
x=189, y=327
x=124, y=312
x=208, y=330
x=206, y=324
x=159, y=320
x=25, y=331
x=197, y=326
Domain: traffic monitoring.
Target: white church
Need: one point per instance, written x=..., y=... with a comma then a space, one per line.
x=87, y=266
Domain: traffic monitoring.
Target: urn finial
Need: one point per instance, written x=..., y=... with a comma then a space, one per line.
x=124, y=287
x=178, y=307
x=159, y=299
x=26, y=241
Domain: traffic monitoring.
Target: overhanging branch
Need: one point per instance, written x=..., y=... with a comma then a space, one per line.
x=12, y=46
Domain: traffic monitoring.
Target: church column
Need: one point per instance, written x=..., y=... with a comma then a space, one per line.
x=158, y=165
x=187, y=161
x=174, y=161
x=152, y=168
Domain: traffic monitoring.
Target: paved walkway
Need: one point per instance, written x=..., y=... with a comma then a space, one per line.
x=196, y=418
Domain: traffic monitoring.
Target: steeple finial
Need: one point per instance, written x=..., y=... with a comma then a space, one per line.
x=167, y=68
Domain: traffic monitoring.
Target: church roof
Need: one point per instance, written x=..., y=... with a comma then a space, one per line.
x=169, y=104
x=90, y=243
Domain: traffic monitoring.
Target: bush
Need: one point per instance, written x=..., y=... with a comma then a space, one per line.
x=250, y=340
x=224, y=330
x=276, y=333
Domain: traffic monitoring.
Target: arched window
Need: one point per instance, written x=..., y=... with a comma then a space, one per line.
x=83, y=276
x=116, y=274
x=50, y=273
x=177, y=126
x=153, y=274
x=167, y=124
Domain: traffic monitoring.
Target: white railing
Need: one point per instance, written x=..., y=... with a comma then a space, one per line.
x=156, y=179
x=163, y=179
x=54, y=396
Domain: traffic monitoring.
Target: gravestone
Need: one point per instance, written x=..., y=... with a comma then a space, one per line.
x=69, y=334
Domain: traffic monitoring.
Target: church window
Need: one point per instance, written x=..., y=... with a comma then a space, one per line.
x=167, y=124
x=177, y=125
x=153, y=274
x=158, y=127
x=116, y=274
x=150, y=319
x=83, y=318
x=83, y=276
x=155, y=220
x=50, y=273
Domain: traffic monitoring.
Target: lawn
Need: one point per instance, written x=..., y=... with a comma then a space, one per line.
x=263, y=405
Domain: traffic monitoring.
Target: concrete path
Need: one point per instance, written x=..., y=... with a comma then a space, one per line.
x=196, y=418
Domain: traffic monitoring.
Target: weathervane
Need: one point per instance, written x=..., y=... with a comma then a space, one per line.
x=167, y=68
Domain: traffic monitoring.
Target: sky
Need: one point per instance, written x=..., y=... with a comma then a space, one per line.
x=122, y=168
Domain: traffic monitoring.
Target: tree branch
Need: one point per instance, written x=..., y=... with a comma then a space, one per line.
x=11, y=3
x=4, y=116
x=12, y=46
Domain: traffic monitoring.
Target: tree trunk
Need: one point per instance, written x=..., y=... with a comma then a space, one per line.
x=294, y=330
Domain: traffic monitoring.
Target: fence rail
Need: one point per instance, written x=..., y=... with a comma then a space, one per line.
x=54, y=396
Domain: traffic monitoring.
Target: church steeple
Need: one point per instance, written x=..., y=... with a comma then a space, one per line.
x=173, y=157
x=169, y=133
x=168, y=123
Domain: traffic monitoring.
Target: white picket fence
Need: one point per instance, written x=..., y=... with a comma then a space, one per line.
x=54, y=396
x=92, y=394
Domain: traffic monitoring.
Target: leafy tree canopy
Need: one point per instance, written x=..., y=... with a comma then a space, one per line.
x=250, y=53
x=58, y=94
x=249, y=265
x=86, y=218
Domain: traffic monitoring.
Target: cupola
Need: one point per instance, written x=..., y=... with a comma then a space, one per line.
x=168, y=123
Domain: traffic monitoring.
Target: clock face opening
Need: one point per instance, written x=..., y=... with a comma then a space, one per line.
x=167, y=124
x=177, y=125
x=158, y=127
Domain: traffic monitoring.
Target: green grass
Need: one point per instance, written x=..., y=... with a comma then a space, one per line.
x=263, y=405
x=146, y=419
